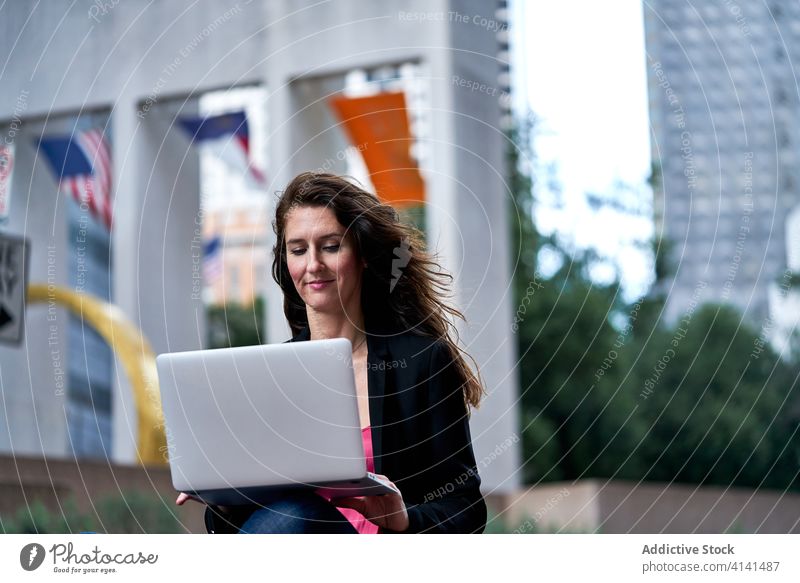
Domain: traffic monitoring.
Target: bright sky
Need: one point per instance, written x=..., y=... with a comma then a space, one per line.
x=580, y=66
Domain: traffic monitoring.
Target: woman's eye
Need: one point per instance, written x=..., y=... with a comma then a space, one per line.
x=297, y=251
x=331, y=248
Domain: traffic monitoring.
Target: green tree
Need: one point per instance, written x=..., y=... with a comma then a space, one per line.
x=609, y=390
x=564, y=332
x=721, y=412
x=234, y=324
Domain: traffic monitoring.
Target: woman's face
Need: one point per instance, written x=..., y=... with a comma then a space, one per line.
x=322, y=261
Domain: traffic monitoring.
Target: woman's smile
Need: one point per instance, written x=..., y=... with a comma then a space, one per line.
x=320, y=284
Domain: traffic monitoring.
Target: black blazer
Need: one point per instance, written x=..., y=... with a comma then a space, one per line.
x=420, y=432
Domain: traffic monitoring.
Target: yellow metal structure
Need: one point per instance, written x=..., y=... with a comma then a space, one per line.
x=133, y=351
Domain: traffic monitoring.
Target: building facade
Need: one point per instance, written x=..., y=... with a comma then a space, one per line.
x=724, y=114
x=121, y=61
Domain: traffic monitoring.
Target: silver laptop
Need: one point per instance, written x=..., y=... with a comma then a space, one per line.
x=241, y=422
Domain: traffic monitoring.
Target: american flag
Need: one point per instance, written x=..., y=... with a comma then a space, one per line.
x=228, y=137
x=81, y=163
x=212, y=259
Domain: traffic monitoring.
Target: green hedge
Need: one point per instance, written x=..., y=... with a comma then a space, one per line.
x=131, y=512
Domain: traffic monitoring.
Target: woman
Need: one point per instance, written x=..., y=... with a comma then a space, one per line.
x=349, y=269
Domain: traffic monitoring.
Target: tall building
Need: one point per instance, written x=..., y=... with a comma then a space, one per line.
x=724, y=114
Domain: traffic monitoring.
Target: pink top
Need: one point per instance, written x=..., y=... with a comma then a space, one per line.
x=361, y=524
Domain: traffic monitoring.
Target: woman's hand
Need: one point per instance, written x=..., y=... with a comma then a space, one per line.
x=183, y=497
x=387, y=511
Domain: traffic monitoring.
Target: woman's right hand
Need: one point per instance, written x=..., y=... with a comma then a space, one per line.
x=183, y=497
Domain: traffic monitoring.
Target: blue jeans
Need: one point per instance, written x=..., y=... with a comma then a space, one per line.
x=296, y=512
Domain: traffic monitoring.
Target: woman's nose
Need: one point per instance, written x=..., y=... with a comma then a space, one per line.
x=314, y=263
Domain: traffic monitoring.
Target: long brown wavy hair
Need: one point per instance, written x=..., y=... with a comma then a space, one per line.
x=409, y=295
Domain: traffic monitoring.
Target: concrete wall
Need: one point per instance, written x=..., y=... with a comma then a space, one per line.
x=586, y=506
x=624, y=507
x=33, y=376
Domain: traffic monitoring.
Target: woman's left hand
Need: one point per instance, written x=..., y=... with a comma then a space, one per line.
x=387, y=511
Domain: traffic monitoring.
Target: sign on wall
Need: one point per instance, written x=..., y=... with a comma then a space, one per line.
x=14, y=260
